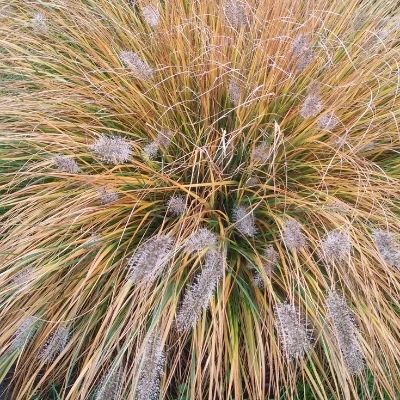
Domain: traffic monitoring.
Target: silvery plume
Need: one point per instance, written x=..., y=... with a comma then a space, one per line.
x=39, y=23
x=151, y=14
x=151, y=369
x=201, y=239
x=112, y=149
x=302, y=49
x=387, y=246
x=235, y=12
x=107, y=196
x=328, y=122
x=345, y=331
x=66, y=164
x=150, y=259
x=244, y=221
x=197, y=296
x=312, y=104
x=293, y=332
x=234, y=92
x=140, y=68
x=292, y=236
x=336, y=246
x=270, y=259
x=261, y=153
x=111, y=385
x=24, y=333
x=24, y=277
x=176, y=205
x=163, y=139
x=55, y=344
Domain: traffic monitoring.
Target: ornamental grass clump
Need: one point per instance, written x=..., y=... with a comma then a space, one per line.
x=199, y=199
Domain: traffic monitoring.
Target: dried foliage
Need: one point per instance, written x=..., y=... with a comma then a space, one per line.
x=209, y=168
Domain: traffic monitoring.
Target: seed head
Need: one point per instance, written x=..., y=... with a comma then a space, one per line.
x=110, y=386
x=300, y=44
x=112, y=149
x=107, y=196
x=24, y=333
x=336, y=246
x=176, y=205
x=151, y=369
x=292, y=236
x=164, y=138
x=200, y=239
x=151, y=14
x=270, y=259
x=24, y=277
x=55, y=344
x=92, y=241
x=150, y=259
x=261, y=153
x=311, y=107
x=150, y=151
x=66, y=164
x=292, y=331
x=328, y=122
x=140, y=68
x=345, y=331
x=234, y=92
x=39, y=23
x=197, y=296
x=244, y=221
x=235, y=13
x=387, y=247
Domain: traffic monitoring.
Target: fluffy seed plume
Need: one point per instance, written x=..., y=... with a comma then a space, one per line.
x=197, y=297
x=55, y=344
x=387, y=247
x=312, y=104
x=201, y=239
x=336, y=246
x=293, y=332
x=328, y=122
x=244, y=221
x=24, y=333
x=303, y=52
x=292, y=236
x=24, y=277
x=270, y=259
x=235, y=13
x=151, y=369
x=39, y=23
x=234, y=92
x=140, y=68
x=66, y=164
x=151, y=14
x=107, y=196
x=112, y=149
x=110, y=385
x=150, y=151
x=176, y=205
x=150, y=259
x=261, y=153
x=345, y=331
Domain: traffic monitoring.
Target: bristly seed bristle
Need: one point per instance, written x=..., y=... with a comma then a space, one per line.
x=345, y=331
x=234, y=92
x=24, y=333
x=66, y=164
x=110, y=385
x=387, y=246
x=292, y=330
x=176, y=205
x=261, y=153
x=336, y=246
x=107, y=196
x=235, y=13
x=55, y=344
x=39, y=23
x=24, y=277
x=150, y=259
x=151, y=369
x=140, y=68
x=244, y=221
x=151, y=14
x=112, y=149
x=197, y=296
x=328, y=122
x=292, y=236
x=201, y=239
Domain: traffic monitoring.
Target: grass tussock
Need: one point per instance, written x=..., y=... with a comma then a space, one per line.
x=200, y=199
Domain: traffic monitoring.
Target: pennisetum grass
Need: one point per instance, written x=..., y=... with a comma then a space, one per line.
x=226, y=171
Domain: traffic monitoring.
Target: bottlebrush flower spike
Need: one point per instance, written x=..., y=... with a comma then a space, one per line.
x=24, y=277
x=293, y=332
x=345, y=331
x=151, y=369
x=107, y=196
x=66, y=164
x=235, y=13
x=198, y=296
x=292, y=236
x=244, y=221
x=150, y=259
x=110, y=386
x=55, y=344
x=336, y=246
x=328, y=122
x=301, y=48
x=24, y=333
x=150, y=151
x=140, y=68
x=261, y=153
x=201, y=239
x=176, y=205
x=387, y=247
x=151, y=14
x=234, y=92
x=312, y=105
x=112, y=149
x=270, y=259
x=39, y=23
